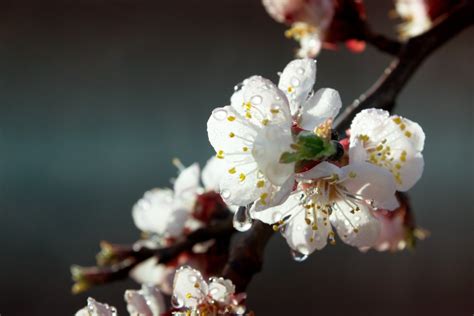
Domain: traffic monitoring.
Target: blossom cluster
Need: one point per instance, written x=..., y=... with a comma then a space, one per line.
x=318, y=24
x=287, y=167
x=191, y=295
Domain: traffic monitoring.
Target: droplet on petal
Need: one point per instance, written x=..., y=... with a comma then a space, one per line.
x=219, y=114
x=242, y=220
x=225, y=194
x=256, y=100
x=295, y=82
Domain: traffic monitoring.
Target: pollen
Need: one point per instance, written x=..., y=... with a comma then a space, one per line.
x=260, y=183
x=263, y=197
x=247, y=105
x=397, y=120
x=231, y=135
x=408, y=134
x=402, y=126
x=275, y=111
x=245, y=149
x=196, y=285
x=248, y=115
x=232, y=170
x=352, y=174
x=265, y=122
x=220, y=154
x=290, y=89
x=242, y=177
x=363, y=138
x=189, y=295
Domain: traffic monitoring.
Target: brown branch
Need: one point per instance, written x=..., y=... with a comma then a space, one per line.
x=384, y=92
x=246, y=255
x=381, y=42
x=129, y=256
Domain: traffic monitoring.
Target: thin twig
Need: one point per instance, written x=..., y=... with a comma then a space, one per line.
x=88, y=276
x=384, y=92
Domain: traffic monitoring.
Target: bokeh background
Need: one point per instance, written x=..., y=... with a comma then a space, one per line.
x=97, y=97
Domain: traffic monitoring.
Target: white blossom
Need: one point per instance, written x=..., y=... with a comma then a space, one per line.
x=191, y=293
x=414, y=14
x=329, y=195
x=254, y=131
x=148, y=301
x=391, y=142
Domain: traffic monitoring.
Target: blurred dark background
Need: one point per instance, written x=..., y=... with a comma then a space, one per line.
x=97, y=97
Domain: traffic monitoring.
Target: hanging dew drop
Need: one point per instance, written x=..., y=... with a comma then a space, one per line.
x=242, y=221
x=176, y=301
x=298, y=256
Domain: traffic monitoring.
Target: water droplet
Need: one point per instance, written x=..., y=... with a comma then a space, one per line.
x=176, y=301
x=357, y=218
x=214, y=291
x=242, y=220
x=279, y=73
x=300, y=70
x=295, y=82
x=225, y=194
x=192, y=279
x=299, y=227
x=298, y=256
x=278, y=98
x=219, y=114
x=238, y=86
x=256, y=100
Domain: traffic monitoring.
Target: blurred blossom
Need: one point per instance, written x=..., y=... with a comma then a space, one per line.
x=317, y=24
x=418, y=15
x=166, y=215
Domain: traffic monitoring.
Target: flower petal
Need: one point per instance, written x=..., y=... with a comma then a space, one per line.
x=212, y=172
x=221, y=290
x=158, y=213
x=95, y=308
x=272, y=215
x=297, y=80
x=321, y=170
x=260, y=102
x=145, y=302
x=150, y=272
x=372, y=183
x=324, y=104
x=275, y=196
x=187, y=183
x=306, y=237
x=392, y=142
x=189, y=288
x=360, y=229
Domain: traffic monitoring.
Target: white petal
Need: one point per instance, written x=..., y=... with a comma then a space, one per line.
x=158, y=213
x=372, y=183
x=212, y=173
x=146, y=302
x=392, y=142
x=303, y=237
x=324, y=104
x=150, y=272
x=321, y=170
x=189, y=288
x=221, y=290
x=275, y=196
x=360, y=229
x=297, y=80
x=270, y=144
x=272, y=215
x=260, y=102
x=95, y=308
x=187, y=183
x=310, y=45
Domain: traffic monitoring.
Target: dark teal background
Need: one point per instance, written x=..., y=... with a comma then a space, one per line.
x=97, y=97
